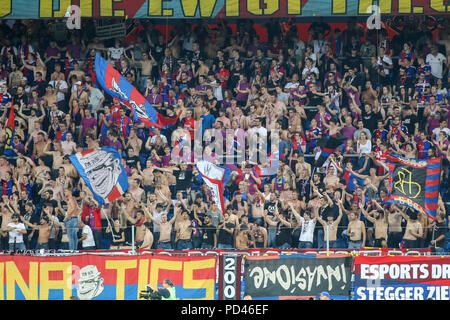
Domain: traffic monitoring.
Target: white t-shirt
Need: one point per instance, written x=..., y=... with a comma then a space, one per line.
x=436, y=63
x=436, y=132
x=95, y=96
x=386, y=60
x=307, y=70
x=68, y=147
x=89, y=241
x=365, y=148
x=291, y=85
x=217, y=91
x=307, y=233
x=319, y=46
x=299, y=47
x=53, y=230
x=15, y=234
x=163, y=138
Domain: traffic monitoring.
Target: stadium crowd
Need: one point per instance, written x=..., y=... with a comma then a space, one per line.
x=384, y=94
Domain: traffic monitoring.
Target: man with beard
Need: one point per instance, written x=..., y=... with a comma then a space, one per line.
x=165, y=227
x=184, y=232
x=44, y=228
x=16, y=230
x=138, y=222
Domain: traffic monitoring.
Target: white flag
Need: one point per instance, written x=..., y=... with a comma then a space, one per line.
x=213, y=176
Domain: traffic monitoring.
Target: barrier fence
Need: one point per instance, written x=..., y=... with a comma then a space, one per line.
x=369, y=274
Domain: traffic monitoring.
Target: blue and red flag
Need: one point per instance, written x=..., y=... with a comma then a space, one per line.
x=102, y=171
x=10, y=131
x=328, y=146
x=414, y=183
x=117, y=86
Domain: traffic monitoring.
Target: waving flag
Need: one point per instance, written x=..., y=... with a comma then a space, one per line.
x=214, y=177
x=117, y=86
x=414, y=183
x=10, y=131
x=329, y=145
x=102, y=171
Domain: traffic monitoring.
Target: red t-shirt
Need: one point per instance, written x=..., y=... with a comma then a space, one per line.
x=95, y=220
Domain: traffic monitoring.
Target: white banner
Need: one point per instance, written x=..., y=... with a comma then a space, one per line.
x=213, y=176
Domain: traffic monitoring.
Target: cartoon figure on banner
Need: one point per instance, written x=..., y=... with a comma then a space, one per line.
x=90, y=284
x=103, y=170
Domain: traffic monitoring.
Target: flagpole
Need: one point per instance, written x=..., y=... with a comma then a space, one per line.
x=133, y=251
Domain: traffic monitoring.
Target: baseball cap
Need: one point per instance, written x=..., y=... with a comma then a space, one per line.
x=326, y=294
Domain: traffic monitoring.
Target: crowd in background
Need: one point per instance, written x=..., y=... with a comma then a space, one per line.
x=384, y=94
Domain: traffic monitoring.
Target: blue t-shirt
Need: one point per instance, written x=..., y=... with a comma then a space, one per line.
x=207, y=122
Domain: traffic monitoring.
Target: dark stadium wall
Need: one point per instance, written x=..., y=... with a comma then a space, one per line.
x=262, y=31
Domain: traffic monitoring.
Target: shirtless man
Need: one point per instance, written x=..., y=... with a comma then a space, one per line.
x=372, y=179
x=148, y=237
x=413, y=231
x=184, y=231
x=71, y=218
x=69, y=168
x=6, y=213
x=356, y=231
x=332, y=227
x=4, y=167
x=33, y=121
x=80, y=94
x=331, y=181
x=136, y=191
x=165, y=228
x=146, y=65
x=394, y=226
x=241, y=241
x=259, y=235
x=138, y=222
x=35, y=132
x=77, y=71
x=257, y=201
x=380, y=222
x=50, y=98
x=40, y=145
x=44, y=228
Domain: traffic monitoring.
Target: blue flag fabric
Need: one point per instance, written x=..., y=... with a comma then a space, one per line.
x=117, y=86
x=102, y=171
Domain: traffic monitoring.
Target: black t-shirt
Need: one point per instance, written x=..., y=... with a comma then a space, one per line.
x=132, y=162
x=370, y=120
x=354, y=62
x=208, y=234
x=283, y=234
x=106, y=235
x=314, y=99
x=270, y=207
x=184, y=178
x=303, y=188
x=224, y=236
x=117, y=235
x=410, y=122
x=439, y=229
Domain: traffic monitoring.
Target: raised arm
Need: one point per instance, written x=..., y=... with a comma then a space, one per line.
x=27, y=223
